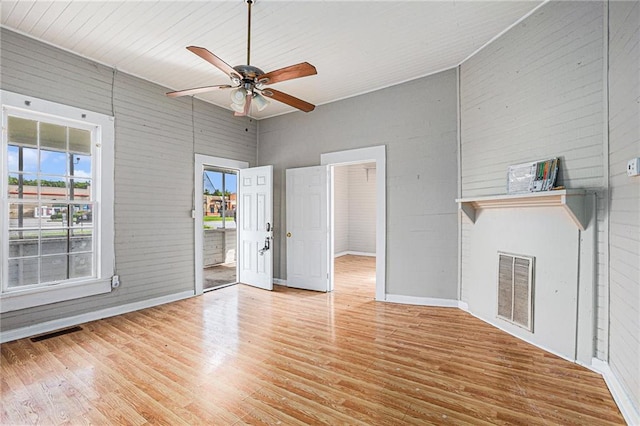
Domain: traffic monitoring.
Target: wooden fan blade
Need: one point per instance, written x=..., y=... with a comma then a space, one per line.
x=215, y=61
x=247, y=107
x=288, y=99
x=288, y=73
x=197, y=90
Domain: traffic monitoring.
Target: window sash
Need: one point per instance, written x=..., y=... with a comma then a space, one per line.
x=60, y=261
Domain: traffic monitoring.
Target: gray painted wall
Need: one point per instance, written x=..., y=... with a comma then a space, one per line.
x=536, y=93
x=624, y=238
x=420, y=138
x=155, y=142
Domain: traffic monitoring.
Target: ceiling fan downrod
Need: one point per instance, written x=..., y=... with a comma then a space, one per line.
x=249, y=3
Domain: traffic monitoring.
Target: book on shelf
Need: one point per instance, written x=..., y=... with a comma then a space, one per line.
x=535, y=176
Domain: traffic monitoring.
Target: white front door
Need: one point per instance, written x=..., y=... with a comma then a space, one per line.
x=255, y=226
x=307, y=228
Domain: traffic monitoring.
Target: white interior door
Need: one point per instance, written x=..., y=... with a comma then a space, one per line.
x=307, y=228
x=255, y=226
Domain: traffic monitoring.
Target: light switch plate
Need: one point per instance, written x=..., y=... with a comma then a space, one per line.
x=633, y=167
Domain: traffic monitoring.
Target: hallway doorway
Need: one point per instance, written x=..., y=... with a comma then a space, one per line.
x=354, y=226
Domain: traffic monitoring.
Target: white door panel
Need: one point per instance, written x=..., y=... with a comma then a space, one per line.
x=307, y=228
x=256, y=226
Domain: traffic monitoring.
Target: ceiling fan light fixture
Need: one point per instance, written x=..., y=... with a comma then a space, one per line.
x=238, y=97
x=260, y=101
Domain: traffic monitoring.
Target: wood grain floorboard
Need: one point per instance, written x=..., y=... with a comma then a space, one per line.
x=244, y=356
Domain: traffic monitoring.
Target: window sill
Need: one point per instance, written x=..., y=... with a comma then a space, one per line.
x=17, y=300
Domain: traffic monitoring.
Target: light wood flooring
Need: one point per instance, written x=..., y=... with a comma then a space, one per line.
x=240, y=355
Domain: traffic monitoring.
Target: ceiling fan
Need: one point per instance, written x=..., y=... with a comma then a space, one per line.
x=248, y=82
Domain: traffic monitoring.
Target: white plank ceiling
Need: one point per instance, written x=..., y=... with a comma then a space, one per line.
x=357, y=46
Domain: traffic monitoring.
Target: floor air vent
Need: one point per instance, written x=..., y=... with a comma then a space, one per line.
x=515, y=289
x=56, y=334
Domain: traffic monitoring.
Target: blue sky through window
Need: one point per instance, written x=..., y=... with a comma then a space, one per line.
x=51, y=162
x=213, y=181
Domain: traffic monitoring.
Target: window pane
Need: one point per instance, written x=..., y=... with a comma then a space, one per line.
x=80, y=189
x=57, y=216
x=23, y=243
x=22, y=131
x=28, y=189
x=81, y=241
x=82, y=216
x=12, y=158
x=22, y=215
x=81, y=166
x=53, y=188
x=53, y=162
x=54, y=242
x=23, y=271
x=80, y=265
x=79, y=141
x=29, y=161
x=53, y=268
x=53, y=136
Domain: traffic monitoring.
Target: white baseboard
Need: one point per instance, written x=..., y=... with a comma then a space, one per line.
x=354, y=253
x=422, y=301
x=46, y=327
x=628, y=407
x=278, y=281
x=463, y=305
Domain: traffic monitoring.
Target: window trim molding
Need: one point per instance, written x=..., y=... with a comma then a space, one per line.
x=104, y=202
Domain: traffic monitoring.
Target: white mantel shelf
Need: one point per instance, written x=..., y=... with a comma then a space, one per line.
x=570, y=200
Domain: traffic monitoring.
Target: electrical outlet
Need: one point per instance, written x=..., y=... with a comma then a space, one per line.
x=633, y=167
x=115, y=281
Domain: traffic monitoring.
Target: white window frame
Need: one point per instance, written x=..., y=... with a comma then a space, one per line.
x=37, y=109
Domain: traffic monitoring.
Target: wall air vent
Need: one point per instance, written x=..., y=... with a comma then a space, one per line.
x=515, y=289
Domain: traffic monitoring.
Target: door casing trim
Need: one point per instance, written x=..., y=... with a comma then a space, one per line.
x=375, y=154
x=202, y=161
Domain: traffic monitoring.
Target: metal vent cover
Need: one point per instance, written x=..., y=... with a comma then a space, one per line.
x=515, y=289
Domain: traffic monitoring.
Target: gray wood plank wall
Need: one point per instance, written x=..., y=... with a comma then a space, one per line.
x=362, y=208
x=355, y=208
x=538, y=92
x=156, y=139
x=624, y=238
x=341, y=209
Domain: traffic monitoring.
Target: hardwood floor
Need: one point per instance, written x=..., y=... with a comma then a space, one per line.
x=240, y=355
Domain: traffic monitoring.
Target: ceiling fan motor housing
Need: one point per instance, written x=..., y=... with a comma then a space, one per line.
x=248, y=72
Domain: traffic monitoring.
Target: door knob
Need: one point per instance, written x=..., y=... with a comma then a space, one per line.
x=288, y=234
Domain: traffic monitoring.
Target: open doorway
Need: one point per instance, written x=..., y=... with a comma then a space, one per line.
x=373, y=155
x=354, y=228
x=219, y=214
